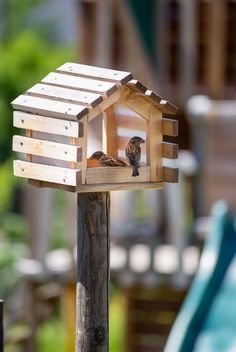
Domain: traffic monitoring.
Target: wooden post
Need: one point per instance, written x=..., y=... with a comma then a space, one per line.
x=1, y=327
x=93, y=272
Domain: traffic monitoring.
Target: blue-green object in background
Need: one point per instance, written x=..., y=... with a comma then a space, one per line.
x=207, y=319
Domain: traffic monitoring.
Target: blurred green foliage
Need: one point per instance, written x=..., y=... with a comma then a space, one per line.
x=24, y=61
x=51, y=336
x=117, y=322
x=26, y=55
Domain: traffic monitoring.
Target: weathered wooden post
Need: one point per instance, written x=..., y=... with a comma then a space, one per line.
x=93, y=272
x=56, y=114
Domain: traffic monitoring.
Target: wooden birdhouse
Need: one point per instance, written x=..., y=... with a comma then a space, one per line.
x=58, y=116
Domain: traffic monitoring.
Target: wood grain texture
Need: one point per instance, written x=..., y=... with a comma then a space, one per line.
x=135, y=102
x=137, y=86
x=153, y=97
x=109, y=132
x=84, y=123
x=47, y=149
x=100, y=73
x=65, y=94
x=53, y=108
x=81, y=83
x=116, y=175
x=47, y=124
x=166, y=107
x=93, y=210
x=170, y=150
x=98, y=188
x=46, y=173
x=170, y=174
x=170, y=127
x=154, y=144
x=107, y=102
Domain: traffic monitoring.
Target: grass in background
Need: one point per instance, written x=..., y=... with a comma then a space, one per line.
x=117, y=322
x=51, y=336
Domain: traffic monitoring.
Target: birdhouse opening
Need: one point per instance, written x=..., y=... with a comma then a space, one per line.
x=129, y=124
x=110, y=133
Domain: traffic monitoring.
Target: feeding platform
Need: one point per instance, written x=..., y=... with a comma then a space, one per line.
x=57, y=114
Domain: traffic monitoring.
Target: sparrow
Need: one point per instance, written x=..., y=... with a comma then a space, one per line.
x=106, y=160
x=133, y=153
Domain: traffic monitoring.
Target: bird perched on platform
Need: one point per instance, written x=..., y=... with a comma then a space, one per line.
x=133, y=153
x=106, y=160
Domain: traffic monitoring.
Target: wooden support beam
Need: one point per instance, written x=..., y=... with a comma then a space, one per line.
x=107, y=102
x=109, y=132
x=92, y=296
x=99, y=188
x=154, y=144
x=170, y=150
x=84, y=123
x=135, y=102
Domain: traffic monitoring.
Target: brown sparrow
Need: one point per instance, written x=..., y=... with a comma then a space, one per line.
x=133, y=153
x=106, y=160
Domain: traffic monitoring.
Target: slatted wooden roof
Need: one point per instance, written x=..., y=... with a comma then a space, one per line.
x=75, y=91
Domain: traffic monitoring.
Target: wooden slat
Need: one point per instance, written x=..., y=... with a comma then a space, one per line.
x=47, y=149
x=100, y=73
x=137, y=86
x=170, y=127
x=116, y=175
x=48, y=107
x=110, y=132
x=66, y=94
x=153, y=97
x=170, y=150
x=43, y=184
x=46, y=173
x=167, y=108
x=99, y=188
x=47, y=124
x=86, y=84
x=170, y=174
x=154, y=143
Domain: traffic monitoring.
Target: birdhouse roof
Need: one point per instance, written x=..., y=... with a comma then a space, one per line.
x=75, y=91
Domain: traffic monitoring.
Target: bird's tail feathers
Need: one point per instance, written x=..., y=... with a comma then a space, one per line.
x=135, y=171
